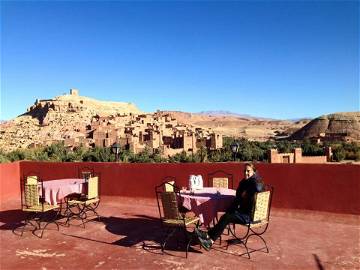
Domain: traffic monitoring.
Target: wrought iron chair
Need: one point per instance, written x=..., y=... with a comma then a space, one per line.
x=35, y=207
x=259, y=221
x=80, y=207
x=172, y=220
x=220, y=179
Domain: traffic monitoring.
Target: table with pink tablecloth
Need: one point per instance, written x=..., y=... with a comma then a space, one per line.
x=207, y=202
x=56, y=190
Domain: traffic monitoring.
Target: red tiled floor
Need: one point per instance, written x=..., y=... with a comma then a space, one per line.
x=127, y=238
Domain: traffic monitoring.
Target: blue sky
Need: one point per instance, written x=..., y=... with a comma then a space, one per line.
x=275, y=59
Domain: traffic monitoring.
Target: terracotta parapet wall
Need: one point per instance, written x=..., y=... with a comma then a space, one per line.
x=321, y=187
x=9, y=181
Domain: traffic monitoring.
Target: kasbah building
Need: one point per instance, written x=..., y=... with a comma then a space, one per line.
x=159, y=132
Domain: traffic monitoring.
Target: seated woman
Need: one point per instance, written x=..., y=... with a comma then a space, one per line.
x=239, y=211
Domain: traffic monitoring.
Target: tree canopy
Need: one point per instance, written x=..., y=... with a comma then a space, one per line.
x=247, y=151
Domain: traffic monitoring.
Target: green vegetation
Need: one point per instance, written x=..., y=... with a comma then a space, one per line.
x=348, y=151
x=248, y=150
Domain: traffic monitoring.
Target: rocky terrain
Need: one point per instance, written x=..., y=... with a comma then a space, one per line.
x=67, y=116
x=332, y=127
x=55, y=119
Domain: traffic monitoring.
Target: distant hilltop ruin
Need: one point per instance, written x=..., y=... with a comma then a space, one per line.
x=78, y=120
x=48, y=110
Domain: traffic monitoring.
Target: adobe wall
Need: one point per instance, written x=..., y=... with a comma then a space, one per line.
x=276, y=157
x=314, y=159
x=321, y=187
x=297, y=157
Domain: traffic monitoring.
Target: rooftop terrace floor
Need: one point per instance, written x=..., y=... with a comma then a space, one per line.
x=128, y=235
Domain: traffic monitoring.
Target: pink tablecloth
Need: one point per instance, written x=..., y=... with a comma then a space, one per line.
x=56, y=190
x=207, y=202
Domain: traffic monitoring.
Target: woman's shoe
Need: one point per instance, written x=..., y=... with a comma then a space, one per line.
x=202, y=234
x=205, y=243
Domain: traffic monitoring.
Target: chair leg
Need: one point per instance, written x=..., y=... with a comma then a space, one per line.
x=262, y=239
x=47, y=217
x=190, y=238
x=68, y=213
x=217, y=221
x=76, y=214
x=28, y=218
x=170, y=232
x=95, y=212
x=82, y=212
x=228, y=229
x=92, y=209
x=238, y=240
x=83, y=215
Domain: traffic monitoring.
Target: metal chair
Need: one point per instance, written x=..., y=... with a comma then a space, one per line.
x=37, y=210
x=220, y=179
x=259, y=222
x=172, y=220
x=79, y=207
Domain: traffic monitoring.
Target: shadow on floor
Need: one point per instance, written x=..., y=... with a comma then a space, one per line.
x=318, y=262
x=11, y=219
x=141, y=230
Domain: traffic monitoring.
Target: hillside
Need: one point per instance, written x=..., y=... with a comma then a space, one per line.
x=337, y=126
x=63, y=117
x=246, y=126
x=68, y=117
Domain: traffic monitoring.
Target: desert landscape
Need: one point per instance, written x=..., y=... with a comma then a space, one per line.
x=70, y=117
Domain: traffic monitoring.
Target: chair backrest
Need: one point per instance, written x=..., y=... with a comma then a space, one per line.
x=32, y=180
x=31, y=194
x=169, y=186
x=167, y=198
x=262, y=205
x=86, y=172
x=170, y=205
x=220, y=179
x=93, y=187
x=86, y=175
x=220, y=182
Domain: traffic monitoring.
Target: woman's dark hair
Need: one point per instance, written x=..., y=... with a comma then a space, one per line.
x=258, y=178
x=251, y=165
